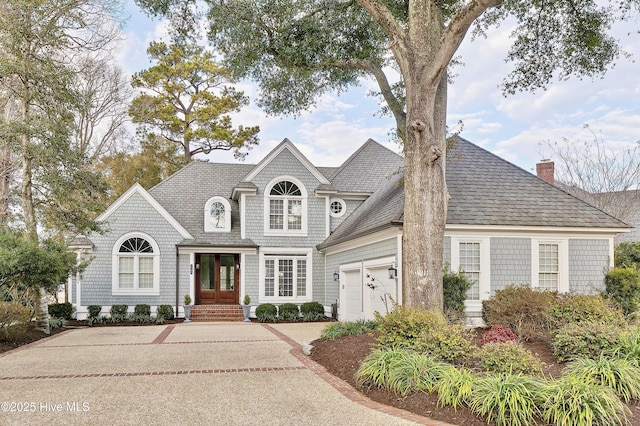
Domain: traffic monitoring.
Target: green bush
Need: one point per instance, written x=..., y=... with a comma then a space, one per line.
x=55, y=322
x=451, y=342
x=521, y=309
x=312, y=311
x=585, y=340
x=61, y=310
x=119, y=310
x=14, y=320
x=165, y=311
x=454, y=386
x=289, y=312
x=142, y=309
x=622, y=286
x=621, y=375
x=267, y=312
x=454, y=290
x=94, y=310
x=628, y=346
x=571, y=401
x=339, y=329
x=578, y=308
x=509, y=357
x=627, y=255
x=506, y=399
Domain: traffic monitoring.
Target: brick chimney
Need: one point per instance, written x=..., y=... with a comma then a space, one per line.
x=545, y=171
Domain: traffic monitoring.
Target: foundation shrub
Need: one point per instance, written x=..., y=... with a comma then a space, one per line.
x=622, y=287
x=119, y=310
x=312, y=311
x=165, y=311
x=520, y=308
x=55, y=322
x=267, y=312
x=454, y=290
x=585, y=340
x=94, y=311
x=61, y=310
x=498, y=333
x=339, y=329
x=142, y=309
x=509, y=357
x=288, y=312
x=14, y=320
x=581, y=308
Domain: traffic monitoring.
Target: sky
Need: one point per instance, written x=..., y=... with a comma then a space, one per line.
x=514, y=127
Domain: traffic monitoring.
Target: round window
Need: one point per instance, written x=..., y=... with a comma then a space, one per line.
x=337, y=207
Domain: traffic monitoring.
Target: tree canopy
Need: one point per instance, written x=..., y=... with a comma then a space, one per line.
x=188, y=100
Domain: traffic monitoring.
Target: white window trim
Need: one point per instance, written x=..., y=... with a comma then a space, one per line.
x=267, y=211
x=115, y=272
x=266, y=252
x=227, y=215
x=563, y=262
x=342, y=203
x=485, y=267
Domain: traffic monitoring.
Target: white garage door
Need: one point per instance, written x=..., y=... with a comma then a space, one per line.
x=350, y=295
x=378, y=291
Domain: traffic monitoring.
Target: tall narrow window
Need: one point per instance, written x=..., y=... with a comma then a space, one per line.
x=285, y=208
x=217, y=215
x=470, y=264
x=548, y=269
x=135, y=265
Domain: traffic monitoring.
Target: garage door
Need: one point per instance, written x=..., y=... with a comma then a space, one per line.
x=350, y=295
x=378, y=291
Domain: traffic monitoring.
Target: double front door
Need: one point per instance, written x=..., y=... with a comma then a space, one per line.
x=217, y=278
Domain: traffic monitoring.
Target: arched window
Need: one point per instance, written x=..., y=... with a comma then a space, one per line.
x=136, y=265
x=285, y=207
x=217, y=215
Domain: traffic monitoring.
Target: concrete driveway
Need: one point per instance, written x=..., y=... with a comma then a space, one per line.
x=187, y=374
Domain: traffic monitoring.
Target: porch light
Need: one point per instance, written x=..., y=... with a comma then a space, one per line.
x=336, y=276
x=393, y=271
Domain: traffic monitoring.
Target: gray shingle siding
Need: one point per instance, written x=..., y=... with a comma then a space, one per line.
x=135, y=215
x=510, y=262
x=588, y=261
x=251, y=278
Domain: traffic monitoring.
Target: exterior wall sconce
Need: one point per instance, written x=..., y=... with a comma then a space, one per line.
x=336, y=276
x=393, y=271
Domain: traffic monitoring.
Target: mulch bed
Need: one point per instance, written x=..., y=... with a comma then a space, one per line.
x=342, y=357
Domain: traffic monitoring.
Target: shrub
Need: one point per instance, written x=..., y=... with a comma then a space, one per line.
x=141, y=318
x=454, y=386
x=61, y=310
x=142, y=309
x=451, y=343
x=165, y=311
x=622, y=286
x=571, y=401
x=628, y=346
x=339, y=329
x=94, y=311
x=627, y=255
x=55, y=322
x=509, y=357
x=498, y=333
x=584, y=340
x=521, y=309
x=118, y=310
x=506, y=399
x=289, y=312
x=312, y=309
x=578, y=308
x=14, y=320
x=454, y=290
x=267, y=312
x=620, y=375
x=116, y=318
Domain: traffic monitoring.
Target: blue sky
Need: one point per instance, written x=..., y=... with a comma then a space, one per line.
x=512, y=127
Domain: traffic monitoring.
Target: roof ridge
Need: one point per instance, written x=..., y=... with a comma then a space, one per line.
x=355, y=154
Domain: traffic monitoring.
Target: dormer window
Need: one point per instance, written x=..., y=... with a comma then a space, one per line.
x=285, y=207
x=217, y=215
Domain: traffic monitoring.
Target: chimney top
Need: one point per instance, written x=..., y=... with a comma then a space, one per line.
x=545, y=170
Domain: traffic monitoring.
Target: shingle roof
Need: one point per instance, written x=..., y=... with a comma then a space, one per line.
x=485, y=190
x=185, y=193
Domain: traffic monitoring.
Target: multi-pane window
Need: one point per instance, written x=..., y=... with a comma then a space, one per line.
x=285, y=276
x=285, y=207
x=548, y=267
x=217, y=215
x=470, y=264
x=136, y=264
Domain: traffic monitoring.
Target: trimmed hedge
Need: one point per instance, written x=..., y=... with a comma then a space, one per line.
x=118, y=310
x=61, y=310
x=142, y=309
x=165, y=311
x=94, y=310
x=288, y=312
x=267, y=312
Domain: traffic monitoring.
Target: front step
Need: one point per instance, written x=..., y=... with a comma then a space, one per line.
x=217, y=313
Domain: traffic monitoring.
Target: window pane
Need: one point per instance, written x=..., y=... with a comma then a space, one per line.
x=294, y=214
x=548, y=267
x=227, y=269
x=285, y=275
x=470, y=264
x=301, y=285
x=125, y=269
x=217, y=215
x=136, y=245
x=285, y=188
x=276, y=214
x=269, y=277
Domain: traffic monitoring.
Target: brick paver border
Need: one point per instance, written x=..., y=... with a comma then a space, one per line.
x=346, y=389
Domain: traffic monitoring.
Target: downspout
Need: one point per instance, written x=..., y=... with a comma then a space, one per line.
x=177, y=280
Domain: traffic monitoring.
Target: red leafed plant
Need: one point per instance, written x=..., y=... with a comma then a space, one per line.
x=498, y=333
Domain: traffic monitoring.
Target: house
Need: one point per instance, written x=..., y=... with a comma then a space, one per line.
x=285, y=230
